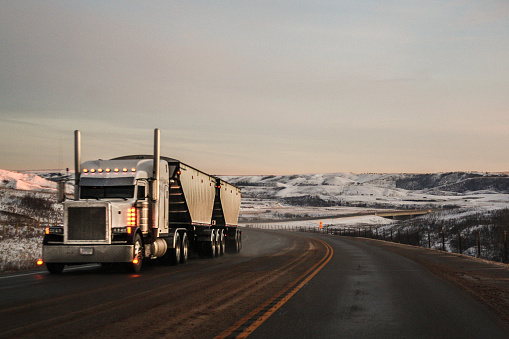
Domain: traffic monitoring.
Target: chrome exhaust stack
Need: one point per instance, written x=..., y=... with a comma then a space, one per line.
x=77, y=164
x=157, y=159
x=154, y=192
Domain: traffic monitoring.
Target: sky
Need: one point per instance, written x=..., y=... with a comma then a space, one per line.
x=258, y=87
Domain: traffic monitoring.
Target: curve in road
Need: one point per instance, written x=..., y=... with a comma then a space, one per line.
x=369, y=291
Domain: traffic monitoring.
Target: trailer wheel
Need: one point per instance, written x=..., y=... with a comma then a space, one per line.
x=222, y=242
x=55, y=268
x=184, y=248
x=238, y=241
x=218, y=242
x=138, y=254
x=211, y=246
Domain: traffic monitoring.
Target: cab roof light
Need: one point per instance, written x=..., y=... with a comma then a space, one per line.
x=116, y=170
x=133, y=169
x=100, y=170
x=85, y=170
x=124, y=169
x=108, y=170
x=92, y=170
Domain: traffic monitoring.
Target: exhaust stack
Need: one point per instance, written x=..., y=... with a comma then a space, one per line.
x=157, y=158
x=77, y=163
x=155, y=181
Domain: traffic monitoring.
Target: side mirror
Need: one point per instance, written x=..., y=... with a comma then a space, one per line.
x=141, y=192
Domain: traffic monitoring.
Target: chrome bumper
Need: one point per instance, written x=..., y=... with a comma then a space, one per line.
x=74, y=254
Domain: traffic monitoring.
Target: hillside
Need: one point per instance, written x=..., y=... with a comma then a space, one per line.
x=378, y=190
x=26, y=181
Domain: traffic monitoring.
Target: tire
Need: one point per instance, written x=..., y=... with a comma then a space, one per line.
x=55, y=268
x=240, y=241
x=211, y=246
x=175, y=253
x=137, y=252
x=222, y=242
x=218, y=242
x=184, y=248
x=231, y=241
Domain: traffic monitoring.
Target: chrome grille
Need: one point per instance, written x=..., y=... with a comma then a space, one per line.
x=86, y=223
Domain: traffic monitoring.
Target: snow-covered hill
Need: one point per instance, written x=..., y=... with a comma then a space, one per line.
x=25, y=181
x=378, y=190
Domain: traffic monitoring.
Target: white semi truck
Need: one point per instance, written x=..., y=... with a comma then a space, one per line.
x=139, y=207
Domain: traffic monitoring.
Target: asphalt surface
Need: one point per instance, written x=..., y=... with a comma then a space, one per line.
x=282, y=285
x=196, y=300
x=370, y=290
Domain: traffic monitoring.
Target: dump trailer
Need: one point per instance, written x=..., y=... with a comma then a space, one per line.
x=139, y=207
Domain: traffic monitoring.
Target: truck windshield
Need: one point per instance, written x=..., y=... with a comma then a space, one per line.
x=105, y=192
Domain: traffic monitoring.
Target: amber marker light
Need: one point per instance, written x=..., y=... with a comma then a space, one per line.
x=136, y=261
x=133, y=169
x=40, y=262
x=100, y=170
x=47, y=230
x=108, y=170
x=85, y=170
x=92, y=170
x=131, y=217
x=124, y=169
x=116, y=170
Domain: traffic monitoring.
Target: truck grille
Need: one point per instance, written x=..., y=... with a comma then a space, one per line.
x=86, y=223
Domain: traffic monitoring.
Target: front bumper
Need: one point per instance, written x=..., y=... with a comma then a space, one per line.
x=77, y=254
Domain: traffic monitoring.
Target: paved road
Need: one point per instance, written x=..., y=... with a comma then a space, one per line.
x=367, y=291
x=283, y=285
x=196, y=300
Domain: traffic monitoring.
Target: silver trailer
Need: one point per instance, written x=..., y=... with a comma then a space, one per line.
x=132, y=208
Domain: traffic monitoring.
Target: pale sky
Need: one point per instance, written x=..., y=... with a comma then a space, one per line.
x=258, y=87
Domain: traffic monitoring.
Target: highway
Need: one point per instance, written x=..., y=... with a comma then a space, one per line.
x=282, y=285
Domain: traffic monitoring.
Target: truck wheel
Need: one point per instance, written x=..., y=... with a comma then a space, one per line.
x=184, y=248
x=137, y=253
x=238, y=242
x=218, y=242
x=175, y=254
x=55, y=268
x=211, y=246
x=222, y=242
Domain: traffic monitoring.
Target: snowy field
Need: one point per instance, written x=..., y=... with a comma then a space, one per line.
x=338, y=200
x=27, y=205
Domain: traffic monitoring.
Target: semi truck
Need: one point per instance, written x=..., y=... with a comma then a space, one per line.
x=140, y=207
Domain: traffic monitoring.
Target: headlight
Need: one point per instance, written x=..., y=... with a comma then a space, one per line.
x=121, y=230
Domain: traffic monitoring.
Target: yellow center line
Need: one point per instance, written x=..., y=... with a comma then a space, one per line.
x=273, y=304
